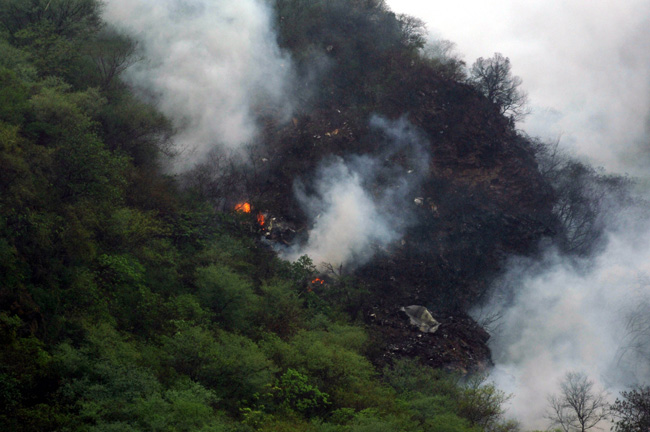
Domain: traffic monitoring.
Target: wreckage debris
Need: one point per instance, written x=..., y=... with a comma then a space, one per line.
x=420, y=317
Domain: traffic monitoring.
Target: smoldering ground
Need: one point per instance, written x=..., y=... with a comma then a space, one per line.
x=359, y=203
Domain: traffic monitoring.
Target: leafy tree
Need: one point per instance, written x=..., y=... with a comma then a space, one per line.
x=294, y=392
x=14, y=95
x=66, y=18
x=279, y=309
x=331, y=359
x=446, y=402
x=228, y=294
x=239, y=371
x=578, y=407
x=112, y=53
x=17, y=61
x=136, y=129
x=632, y=411
x=482, y=404
x=493, y=77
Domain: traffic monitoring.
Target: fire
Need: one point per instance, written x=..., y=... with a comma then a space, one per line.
x=243, y=207
x=318, y=281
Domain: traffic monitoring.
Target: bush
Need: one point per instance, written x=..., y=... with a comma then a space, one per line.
x=228, y=295
x=294, y=393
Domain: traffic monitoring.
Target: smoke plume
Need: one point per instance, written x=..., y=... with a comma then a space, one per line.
x=561, y=314
x=360, y=203
x=212, y=66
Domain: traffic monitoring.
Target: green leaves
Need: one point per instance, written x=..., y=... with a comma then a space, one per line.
x=229, y=295
x=14, y=95
x=446, y=403
x=295, y=393
x=231, y=365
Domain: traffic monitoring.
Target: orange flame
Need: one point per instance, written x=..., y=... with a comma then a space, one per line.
x=261, y=219
x=318, y=281
x=243, y=207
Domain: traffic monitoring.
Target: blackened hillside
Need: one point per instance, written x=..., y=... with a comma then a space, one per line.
x=483, y=197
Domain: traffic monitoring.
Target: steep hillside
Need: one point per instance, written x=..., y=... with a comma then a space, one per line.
x=258, y=288
x=480, y=198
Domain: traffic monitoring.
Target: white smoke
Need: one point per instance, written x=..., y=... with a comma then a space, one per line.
x=347, y=219
x=213, y=65
x=584, y=64
x=561, y=314
x=360, y=204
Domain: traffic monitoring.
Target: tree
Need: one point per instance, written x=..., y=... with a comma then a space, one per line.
x=586, y=198
x=112, y=53
x=494, y=79
x=482, y=403
x=65, y=18
x=632, y=413
x=579, y=406
x=413, y=31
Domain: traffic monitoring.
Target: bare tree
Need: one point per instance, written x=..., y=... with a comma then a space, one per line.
x=579, y=406
x=634, y=352
x=586, y=198
x=493, y=77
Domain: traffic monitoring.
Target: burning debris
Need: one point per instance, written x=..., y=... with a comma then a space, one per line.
x=261, y=219
x=243, y=207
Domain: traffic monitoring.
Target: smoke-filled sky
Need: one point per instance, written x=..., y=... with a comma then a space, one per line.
x=584, y=63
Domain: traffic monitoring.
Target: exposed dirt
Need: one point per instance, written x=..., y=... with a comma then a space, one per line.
x=459, y=344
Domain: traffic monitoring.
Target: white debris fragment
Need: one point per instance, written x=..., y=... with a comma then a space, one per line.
x=420, y=317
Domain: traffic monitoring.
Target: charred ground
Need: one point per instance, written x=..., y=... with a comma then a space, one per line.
x=482, y=198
